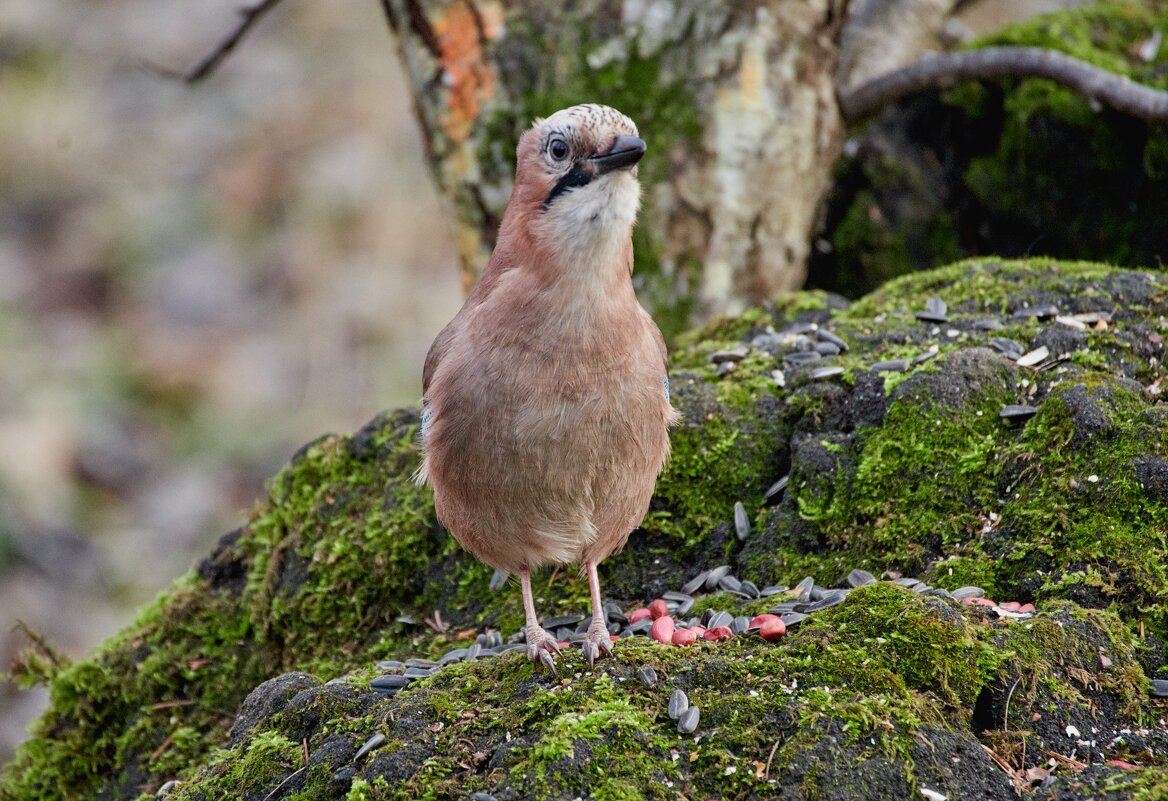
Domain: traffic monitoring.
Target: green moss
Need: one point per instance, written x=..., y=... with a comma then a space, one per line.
x=344, y=562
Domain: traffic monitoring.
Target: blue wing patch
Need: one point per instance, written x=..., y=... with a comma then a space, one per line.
x=666, y=390
x=427, y=413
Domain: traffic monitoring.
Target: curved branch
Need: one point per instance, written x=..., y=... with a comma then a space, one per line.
x=944, y=70
x=249, y=16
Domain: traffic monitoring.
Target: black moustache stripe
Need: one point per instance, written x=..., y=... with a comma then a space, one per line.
x=579, y=175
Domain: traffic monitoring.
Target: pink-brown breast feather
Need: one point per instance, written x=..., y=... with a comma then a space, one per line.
x=545, y=445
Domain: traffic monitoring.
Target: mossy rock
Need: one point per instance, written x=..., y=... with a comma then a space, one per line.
x=250, y=677
x=1012, y=167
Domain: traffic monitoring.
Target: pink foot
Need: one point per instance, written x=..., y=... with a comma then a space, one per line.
x=540, y=647
x=596, y=642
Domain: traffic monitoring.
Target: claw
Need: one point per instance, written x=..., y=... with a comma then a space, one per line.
x=542, y=648
x=595, y=643
x=591, y=651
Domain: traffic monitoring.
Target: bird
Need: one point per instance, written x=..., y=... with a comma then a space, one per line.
x=546, y=408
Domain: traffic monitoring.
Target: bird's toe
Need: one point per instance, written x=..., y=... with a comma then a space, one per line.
x=542, y=648
x=595, y=643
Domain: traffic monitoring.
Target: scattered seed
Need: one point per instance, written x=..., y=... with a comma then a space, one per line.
x=968, y=592
x=167, y=788
x=1017, y=412
x=389, y=685
x=674, y=595
x=920, y=587
x=719, y=619
x=827, y=349
x=641, y=626
x=658, y=608
x=935, y=311
x=860, y=578
x=933, y=795
x=717, y=634
x=424, y=673
x=683, y=637
x=829, y=600
x=729, y=583
x=820, y=373
x=662, y=629
x=793, y=618
x=758, y=620
x=802, y=590
x=890, y=366
x=560, y=621
x=1033, y=357
x=1009, y=347
x=499, y=580
x=375, y=741
x=1159, y=688
x=1041, y=312
x=732, y=355
x=741, y=521
x=685, y=606
x=695, y=583
x=648, y=676
x=749, y=589
x=716, y=575
x=1071, y=322
x=678, y=703
x=417, y=661
x=739, y=624
x=614, y=614
x=481, y=796
x=450, y=657
x=801, y=357
x=773, y=629
x=390, y=664
x=1093, y=317
x=939, y=592
x=725, y=368
x=774, y=489
x=771, y=589
x=991, y=324
x=827, y=336
x=924, y=357
x=689, y=720
x=906, y=582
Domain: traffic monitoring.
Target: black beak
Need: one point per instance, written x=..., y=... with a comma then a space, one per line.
x=625, y=152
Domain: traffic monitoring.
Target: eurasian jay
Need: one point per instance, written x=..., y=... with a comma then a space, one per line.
x=546, y=411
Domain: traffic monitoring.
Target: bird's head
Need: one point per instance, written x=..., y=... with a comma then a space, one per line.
x=576, y=180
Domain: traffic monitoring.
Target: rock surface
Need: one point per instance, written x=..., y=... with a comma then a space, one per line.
x=250, y=678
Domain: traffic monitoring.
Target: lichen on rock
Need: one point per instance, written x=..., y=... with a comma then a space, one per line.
x=251, y=676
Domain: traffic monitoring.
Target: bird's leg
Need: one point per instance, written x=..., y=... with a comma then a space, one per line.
x=596, y=640
x=540, y=644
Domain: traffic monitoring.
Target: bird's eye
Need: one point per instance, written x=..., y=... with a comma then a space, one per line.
x=558, y=149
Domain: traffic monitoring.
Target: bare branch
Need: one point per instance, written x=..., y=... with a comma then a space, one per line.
x=248, y=17
x=944, y=70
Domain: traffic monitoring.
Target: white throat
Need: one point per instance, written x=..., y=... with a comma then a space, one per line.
x=590, y=225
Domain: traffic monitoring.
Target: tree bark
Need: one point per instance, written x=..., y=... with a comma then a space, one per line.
x=737, y=102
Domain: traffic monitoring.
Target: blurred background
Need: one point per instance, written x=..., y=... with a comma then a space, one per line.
x=194, y=281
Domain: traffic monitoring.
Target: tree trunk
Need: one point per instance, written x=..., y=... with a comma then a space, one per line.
x=736, y=101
